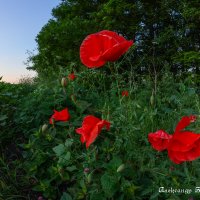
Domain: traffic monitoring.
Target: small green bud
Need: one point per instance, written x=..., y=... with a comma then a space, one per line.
x=121, y=168
x=89, y=178
x=152, y=100
x=73, y=98
x=44, y=128
x=64, y=82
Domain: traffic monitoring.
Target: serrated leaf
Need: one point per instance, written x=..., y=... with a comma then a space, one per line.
x=109, y=184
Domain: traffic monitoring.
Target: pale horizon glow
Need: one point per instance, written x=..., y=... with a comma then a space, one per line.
x=20, y=22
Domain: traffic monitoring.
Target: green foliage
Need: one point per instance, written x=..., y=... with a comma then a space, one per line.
x=55, y=160
x=10, y=98
x=161, y=74
x=59, y=40
x=13, y=185
x=165, y=33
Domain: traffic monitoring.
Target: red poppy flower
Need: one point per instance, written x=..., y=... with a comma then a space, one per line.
x=71, y=76
x=91, y=128
x=99, y=48
x=159, y=140
x=63, y=115
x=125, y=93
x=182, y=145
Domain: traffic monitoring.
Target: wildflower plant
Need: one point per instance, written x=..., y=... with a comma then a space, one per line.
x=113, y=114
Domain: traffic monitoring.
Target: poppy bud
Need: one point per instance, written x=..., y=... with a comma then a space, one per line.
x=138, y=106
x=125, y=93
x=152, y=100
x=71, y=76
x=44, y=128
x=73, y=98
x=89, y=178
x=86, y=170
x=64, y=82
x=121, y=168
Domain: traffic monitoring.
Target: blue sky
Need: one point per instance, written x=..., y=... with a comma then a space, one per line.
x=20, y=22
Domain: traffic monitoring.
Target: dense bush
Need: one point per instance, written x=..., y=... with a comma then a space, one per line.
x=58, y=166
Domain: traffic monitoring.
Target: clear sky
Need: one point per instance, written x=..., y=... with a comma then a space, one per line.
x=20, y=22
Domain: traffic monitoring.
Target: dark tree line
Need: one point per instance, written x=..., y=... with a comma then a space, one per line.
x=166, y=33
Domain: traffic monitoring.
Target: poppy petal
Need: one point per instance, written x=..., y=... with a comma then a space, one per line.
x=173, y=158
x=114, y=35
x=185, y=121
x=184, y=141
x=91, y=48
x=116, y=51
x=88, y=124
x=99, y=48
x=84, y=134
x=125, y=93
x=159, y=140
x=62, y=115
x=182, y=145
x=91, y=128
x=179, y=157
x=96, y=131
x=71, y=76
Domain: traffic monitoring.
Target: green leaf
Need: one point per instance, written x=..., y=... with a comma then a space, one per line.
x=83, y=105
x=3, y=117
x=7, y=94
x=3, y=124
x=66, y=196
x=62, y=124
x=114, y=163
x=71, y=168
x=109, y=184
x=59, y=150
x=154, y=195
x=63, y=160
x=69, y=142
x=97, y=196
